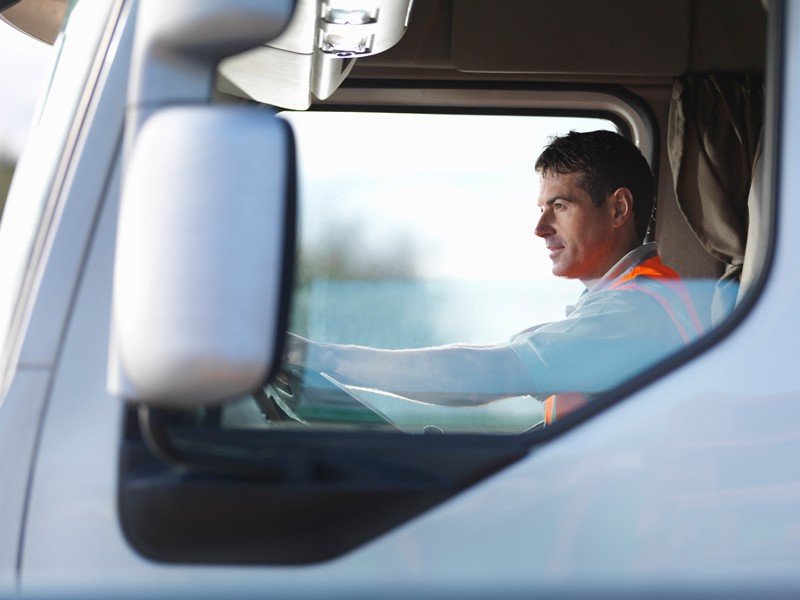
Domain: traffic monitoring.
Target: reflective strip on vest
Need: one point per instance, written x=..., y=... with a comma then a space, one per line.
x=655, y=270
x=560, y=405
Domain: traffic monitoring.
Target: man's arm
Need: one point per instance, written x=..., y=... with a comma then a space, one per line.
x=453, y=375
x=604, y=342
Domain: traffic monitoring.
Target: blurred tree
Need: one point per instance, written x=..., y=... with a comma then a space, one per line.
x=6, y=172
x=341, y=253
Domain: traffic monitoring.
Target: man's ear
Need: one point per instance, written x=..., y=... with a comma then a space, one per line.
x=621, y=204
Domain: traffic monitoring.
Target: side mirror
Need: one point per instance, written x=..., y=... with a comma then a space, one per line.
x=203, y=259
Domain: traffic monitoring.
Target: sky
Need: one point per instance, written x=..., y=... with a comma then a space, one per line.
x=24, y=70
x=450, y=198
x=459, y=189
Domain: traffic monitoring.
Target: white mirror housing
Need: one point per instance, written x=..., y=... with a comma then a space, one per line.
x=204, y=251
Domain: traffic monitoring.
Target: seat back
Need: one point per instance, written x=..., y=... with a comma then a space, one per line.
x=755, y=252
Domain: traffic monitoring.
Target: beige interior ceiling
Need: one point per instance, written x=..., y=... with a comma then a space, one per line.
x=574, y=40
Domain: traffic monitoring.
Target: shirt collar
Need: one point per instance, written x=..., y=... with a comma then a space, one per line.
x=633, y=258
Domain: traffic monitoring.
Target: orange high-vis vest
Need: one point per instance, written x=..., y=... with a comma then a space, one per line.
x=684, y=317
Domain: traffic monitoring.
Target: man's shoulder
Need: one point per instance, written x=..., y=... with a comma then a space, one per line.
x=650, y=305
x=613, y=300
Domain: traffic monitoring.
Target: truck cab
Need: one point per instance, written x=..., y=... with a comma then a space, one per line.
x=206, y=176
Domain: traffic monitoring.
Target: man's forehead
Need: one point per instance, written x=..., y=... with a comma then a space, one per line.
x=552, y=184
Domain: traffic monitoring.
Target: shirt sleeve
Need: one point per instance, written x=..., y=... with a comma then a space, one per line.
x=606, y=340
x=453, y=375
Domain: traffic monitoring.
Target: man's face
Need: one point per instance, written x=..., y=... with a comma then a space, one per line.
x=578, y=235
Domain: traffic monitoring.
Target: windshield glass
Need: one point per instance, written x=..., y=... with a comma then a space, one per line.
x=420, y=234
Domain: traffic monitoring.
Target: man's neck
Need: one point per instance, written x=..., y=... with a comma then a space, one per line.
x=616, y=259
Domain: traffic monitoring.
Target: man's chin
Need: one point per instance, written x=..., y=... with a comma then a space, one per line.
x=563, y=272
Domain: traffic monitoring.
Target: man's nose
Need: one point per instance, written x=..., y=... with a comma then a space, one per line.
x=543, y=226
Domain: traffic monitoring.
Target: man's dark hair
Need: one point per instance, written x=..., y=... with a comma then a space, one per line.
x=606, y=161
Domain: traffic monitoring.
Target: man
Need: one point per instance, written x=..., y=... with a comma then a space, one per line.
x=596, y=198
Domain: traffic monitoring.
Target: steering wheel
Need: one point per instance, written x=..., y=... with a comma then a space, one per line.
x=299, y=395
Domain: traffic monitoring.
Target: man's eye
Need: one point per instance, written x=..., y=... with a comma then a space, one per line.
x=558, y=206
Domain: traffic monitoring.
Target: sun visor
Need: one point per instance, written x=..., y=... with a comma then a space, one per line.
x=577, y=37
